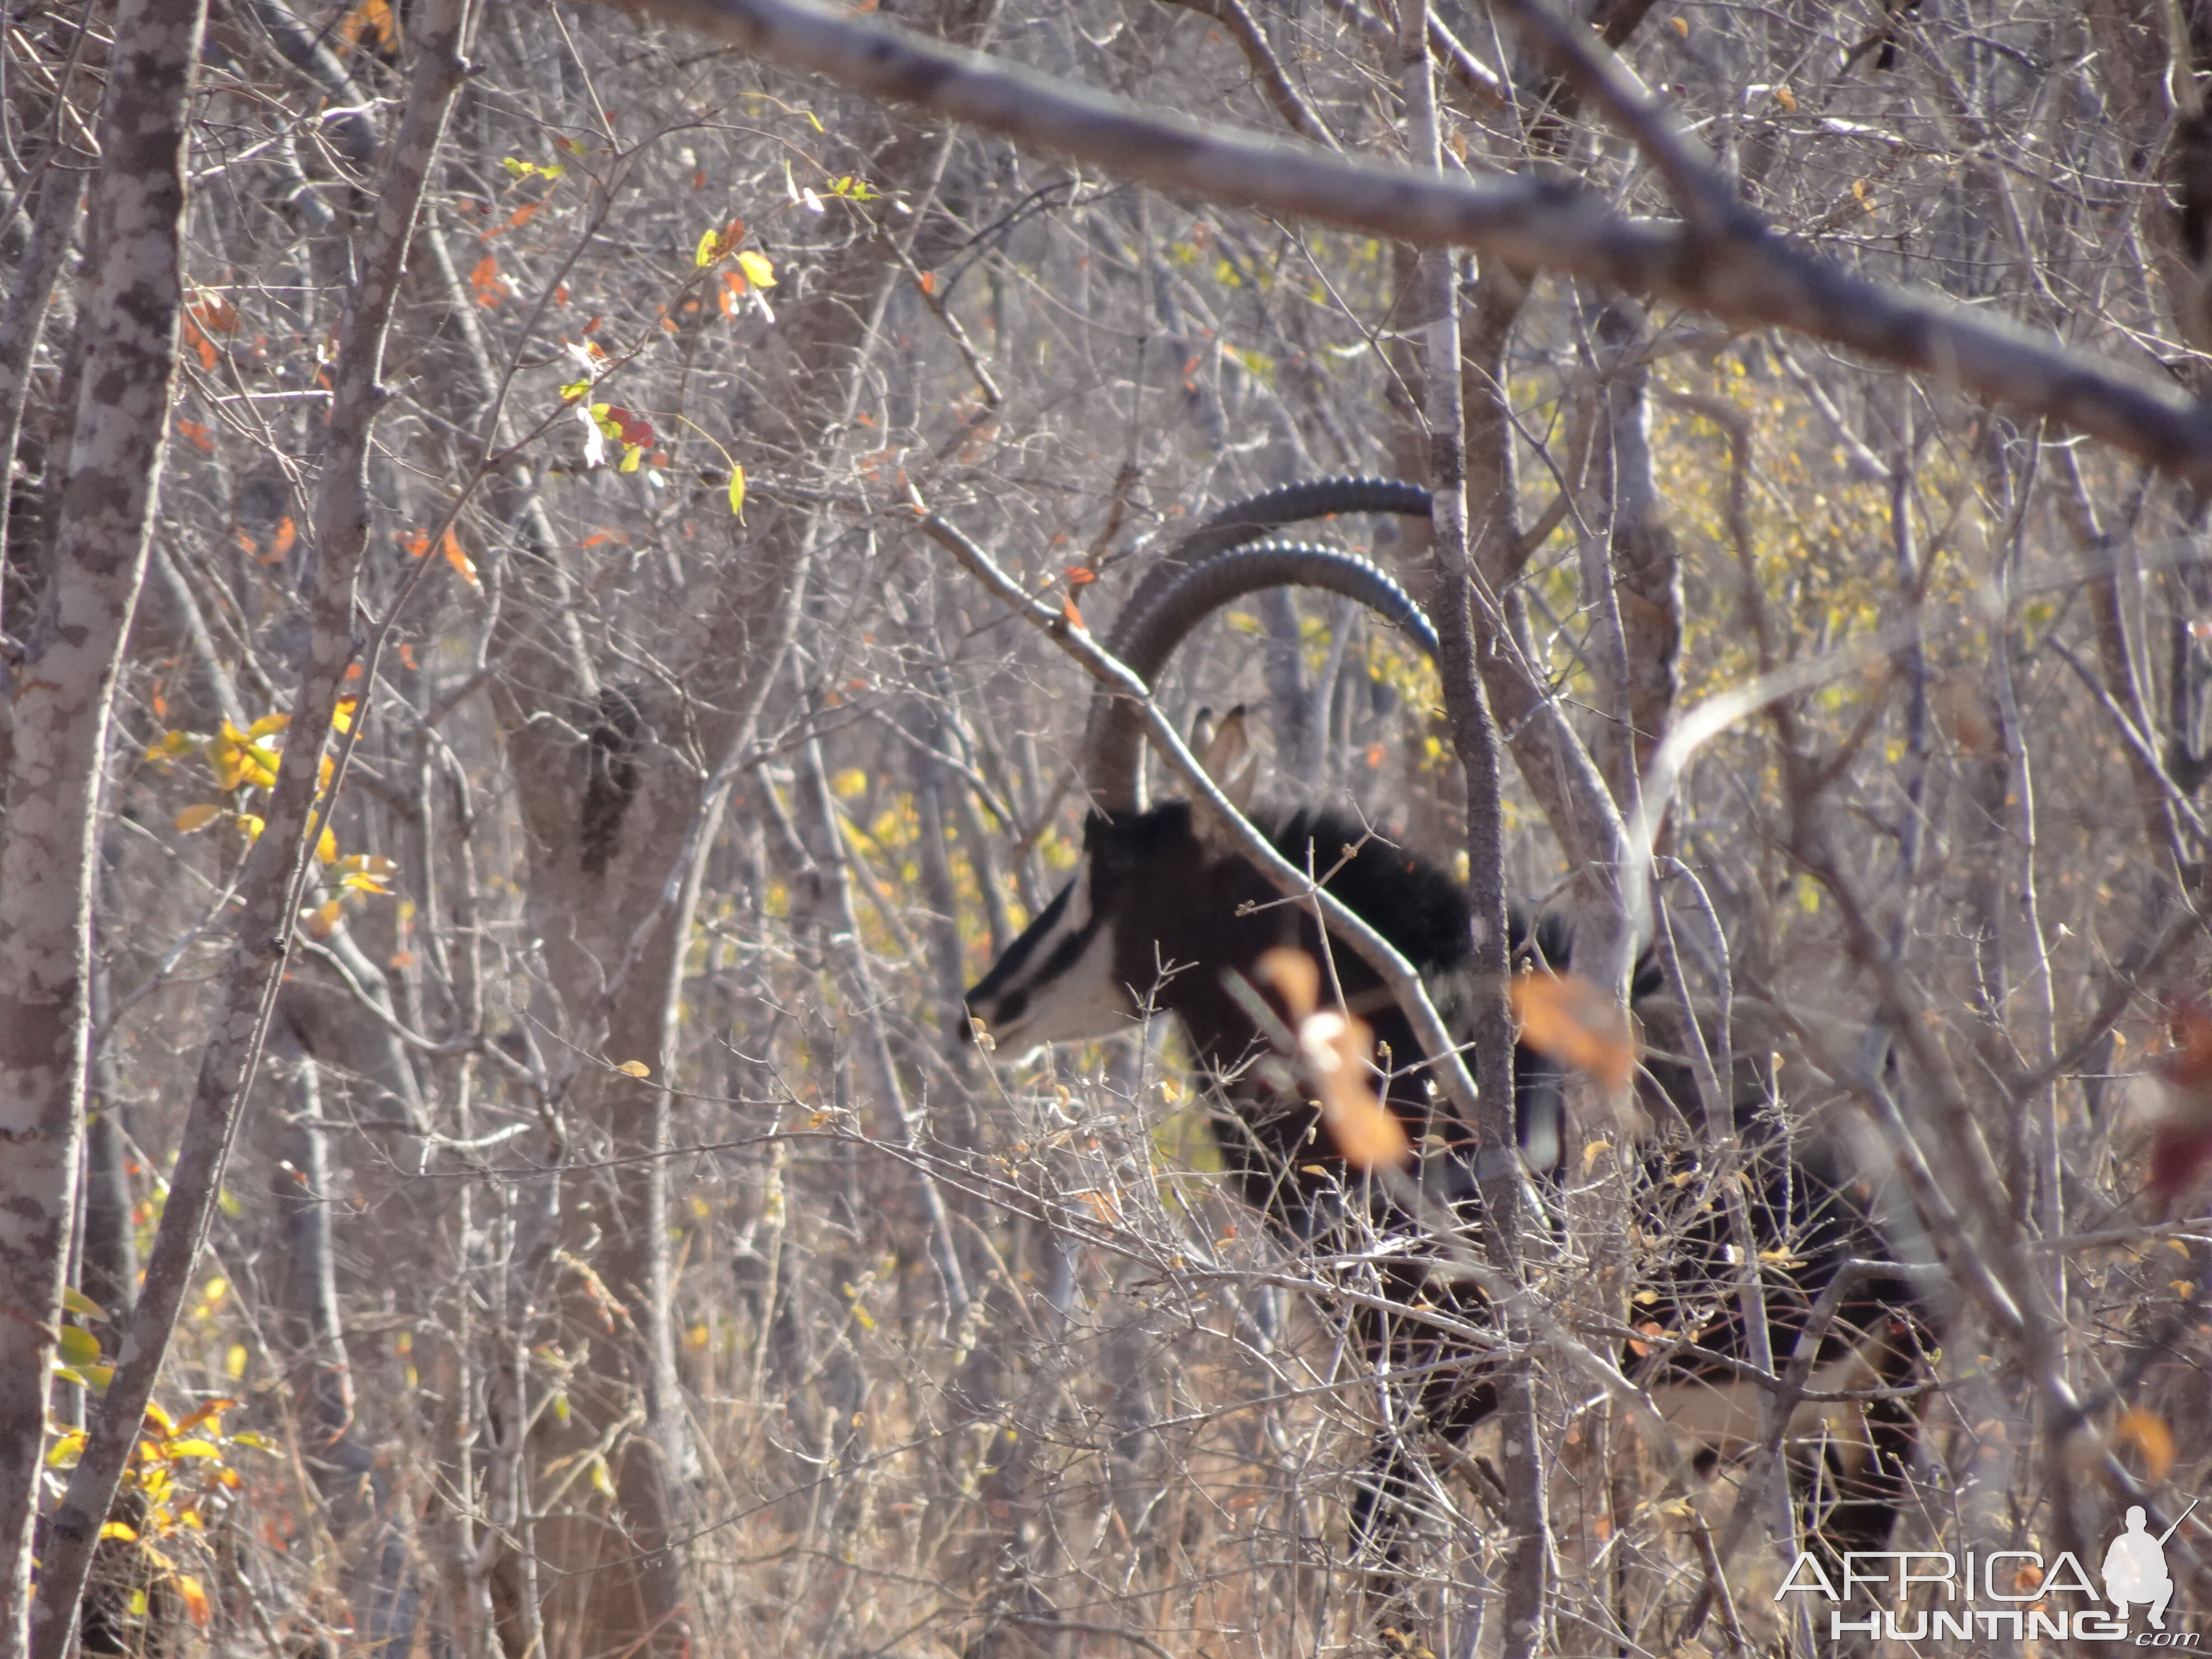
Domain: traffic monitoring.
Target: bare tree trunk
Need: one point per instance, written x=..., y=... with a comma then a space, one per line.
x=373, y=1538
x=53, y=226
x=60, y=694
x=1475, y=741
x=273, y=879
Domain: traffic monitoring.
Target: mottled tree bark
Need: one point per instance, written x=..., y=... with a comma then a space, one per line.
x=612, y=823
x=60, y=694
x=270, y=885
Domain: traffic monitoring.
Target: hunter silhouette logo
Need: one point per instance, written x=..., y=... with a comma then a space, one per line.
x=2135, y=1568
x=2017, y=1596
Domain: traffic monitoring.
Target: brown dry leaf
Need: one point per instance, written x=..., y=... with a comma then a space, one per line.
x=2147, y=1431
x=1294, y=973
x=1571, y=1021
x=1336, y=1046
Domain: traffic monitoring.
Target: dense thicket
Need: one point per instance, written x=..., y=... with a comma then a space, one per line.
x=621, y=1250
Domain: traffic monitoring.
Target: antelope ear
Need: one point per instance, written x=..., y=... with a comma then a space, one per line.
x=1231, y=761
x=1201, y=733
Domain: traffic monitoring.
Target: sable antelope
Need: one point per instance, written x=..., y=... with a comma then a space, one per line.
x=1163, y=915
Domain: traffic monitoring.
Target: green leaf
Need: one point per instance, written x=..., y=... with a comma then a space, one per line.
x=79, y=1345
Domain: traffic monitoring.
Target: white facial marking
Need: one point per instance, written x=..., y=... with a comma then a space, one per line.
x=1054, y=999
x=1083, y=1004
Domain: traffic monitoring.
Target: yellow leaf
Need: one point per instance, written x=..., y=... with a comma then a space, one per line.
x=342, y=715
x=79, y=1346
x=737, y=491
x=196, y=1601
x=194, y=1448
x=97, y=1377
x=758, y=269
x=327, y=846
x=635, y=1068
x=78, y=1302
x=364, y=884
x=601, y=1483
x=198, y=817
x=234, y=1360
x=254, y=824
x=710, y=247
x=848, y=783
x=268, y=725
x=63, y=1452
x=117, y=1529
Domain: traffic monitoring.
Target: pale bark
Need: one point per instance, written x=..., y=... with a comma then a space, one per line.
x=1475, y=742
x=272, y=884
x=60, y=694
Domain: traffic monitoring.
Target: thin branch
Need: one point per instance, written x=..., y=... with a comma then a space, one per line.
x=1746, y=274
x=1267, y=69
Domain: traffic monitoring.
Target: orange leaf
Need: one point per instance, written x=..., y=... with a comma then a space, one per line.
x=287, y=533
x=1571, y=1021
x=1081, y=575
x=196, y=1601
x=926, y=282
x=2148, y=1433
x=1337, y=1047
x=1294, y=975
x=1074, y=618
x=460, y=560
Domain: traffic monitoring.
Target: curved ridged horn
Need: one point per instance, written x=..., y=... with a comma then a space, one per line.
x=1255, y=516
x=1115, y=755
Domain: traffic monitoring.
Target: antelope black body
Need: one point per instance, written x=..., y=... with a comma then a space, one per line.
x=1165, y=916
